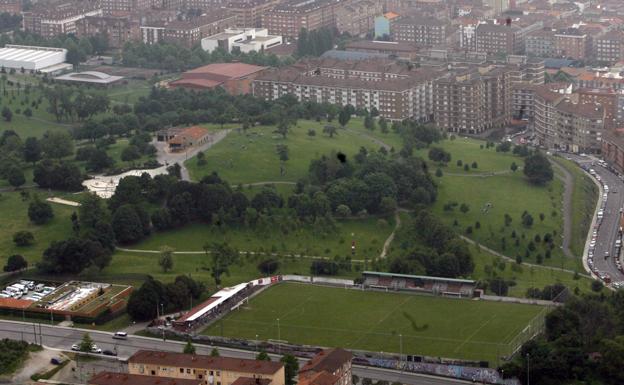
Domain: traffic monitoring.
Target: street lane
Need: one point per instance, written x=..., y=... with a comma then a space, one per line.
x=62, y=338
x=608, y=227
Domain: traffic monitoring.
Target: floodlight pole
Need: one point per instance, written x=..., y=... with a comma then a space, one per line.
x=256, y=343
x=401, y=351
x=528, y=369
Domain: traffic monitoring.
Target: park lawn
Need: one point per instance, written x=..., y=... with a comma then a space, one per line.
x=389, y=138
x=524, y=276
x=369, y=235
x=115, y=150
x=132, y=268
x=15, y=218
x=127, y=93
x=378, y=321
x=507, y=194
x=469, y=150
x=584, y=200
x=251, y=157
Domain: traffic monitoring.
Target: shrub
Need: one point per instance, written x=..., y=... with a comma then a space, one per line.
x=23, y=238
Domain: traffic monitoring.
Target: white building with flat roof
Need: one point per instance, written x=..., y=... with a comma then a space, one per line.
x=246, y=39
x=30, y=58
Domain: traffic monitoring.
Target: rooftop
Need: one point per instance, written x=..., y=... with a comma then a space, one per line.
x=110, y=378
x=230, y=70
x=205, y=362
x=328, y=360
x=28, y=53
x=380, y=274
x=90, y=77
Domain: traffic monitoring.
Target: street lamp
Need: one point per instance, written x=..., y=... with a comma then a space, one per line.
x=256, y=343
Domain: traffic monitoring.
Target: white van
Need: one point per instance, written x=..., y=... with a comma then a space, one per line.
x=120, y=335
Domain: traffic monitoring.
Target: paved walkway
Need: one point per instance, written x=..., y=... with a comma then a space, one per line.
x=169, y=158
x=386, y=246
x=568, y=190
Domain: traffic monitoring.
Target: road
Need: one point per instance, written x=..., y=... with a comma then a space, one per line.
x=57, y=337
x=607, y=228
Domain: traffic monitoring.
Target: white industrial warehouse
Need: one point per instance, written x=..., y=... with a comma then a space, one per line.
x=31, y=58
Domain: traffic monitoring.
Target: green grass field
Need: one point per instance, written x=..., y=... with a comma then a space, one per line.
x=373, y=321
x=369, y=234
x=15, y=218
x=252, y=157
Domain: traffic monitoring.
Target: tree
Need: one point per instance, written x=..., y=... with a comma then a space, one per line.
x=23, y=238
x=437, y=154
x=32, y=150
x=40, y=212
x=221, y=257
x=268, y=266
x=143, y=302
x=7, y=114
x=383, y=125
x=57, y=144
x=189, y=348
x=86, y=344
x=16, y=177
x=214, y=352
x=596, y=286
x=127, y=224
x=369, y=122
x=538, y=169
x=527, y=220
x=344, y=116
x=513, y=166
x=283, y=126
x=464, y=208
x=263, y=356
x=330, y=130
x=15, y=263
x=282, y=153
x=166, y=258
x=291, y=367
x=131, y=153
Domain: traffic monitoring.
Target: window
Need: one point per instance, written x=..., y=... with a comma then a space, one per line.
x=218, y=373
x=188, y=370
x=211, y=373
x=181, y=370
x=153, y=372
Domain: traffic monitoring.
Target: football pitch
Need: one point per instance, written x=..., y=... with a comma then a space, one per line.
x=380, y=321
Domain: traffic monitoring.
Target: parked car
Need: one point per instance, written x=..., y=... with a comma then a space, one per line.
x=120, y=335
x=109, y=353
x=75, y=347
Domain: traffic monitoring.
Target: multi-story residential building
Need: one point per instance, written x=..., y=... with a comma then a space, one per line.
x=118, y=29
x=540, y=43
x=60, y=19
x=358, y=18
x=609, y=47
x=288, y=18
x=499, y=6
x=187, y=32
x=210, y=370
x=111, y=6
x=420, y=30
x=613, y=150
x=503, y=38
x=112, y=378
x=328, y=367
x=403, y=51
x=572, y=44
x=604, y=97
x=562, y=124
x=11, y=6
x=249, y=13
x=474, y=100
x=396, y=91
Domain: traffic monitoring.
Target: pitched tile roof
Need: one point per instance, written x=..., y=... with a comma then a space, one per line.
x=205, y=362
x=110, y=378
x=328, y=360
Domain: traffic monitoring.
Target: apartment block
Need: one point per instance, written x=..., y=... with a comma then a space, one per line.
x=249, y=13
x=60, y=19
x=562, y=124
x=495, y=38
x=572, y=44
x=604, y=97
x=112, y=6
x=187, y=32
x=118, y=29
x=613, y=150
x=210, y=370
x=13, y=7
x=287, y=19
x=328, y=367
x=609, y=47
x=396, y=91
x=540, y=43
x=358, y=18
x=420, y=30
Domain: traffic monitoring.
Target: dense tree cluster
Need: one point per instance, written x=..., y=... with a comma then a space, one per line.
x=58, y=175
x=173, y=296
x=583, y=343
x=371, y=181
x=315, y=43
x=175, y=57
x=429, y=247
x=69, y=103
x=537, y=168
x=12, y=355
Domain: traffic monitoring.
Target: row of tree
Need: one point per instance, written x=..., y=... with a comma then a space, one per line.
x=174, y=296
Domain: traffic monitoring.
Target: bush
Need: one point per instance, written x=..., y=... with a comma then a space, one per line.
x=323, y=267
x=23, y=238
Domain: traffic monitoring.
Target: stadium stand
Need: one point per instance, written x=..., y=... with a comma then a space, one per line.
x=435, y=285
